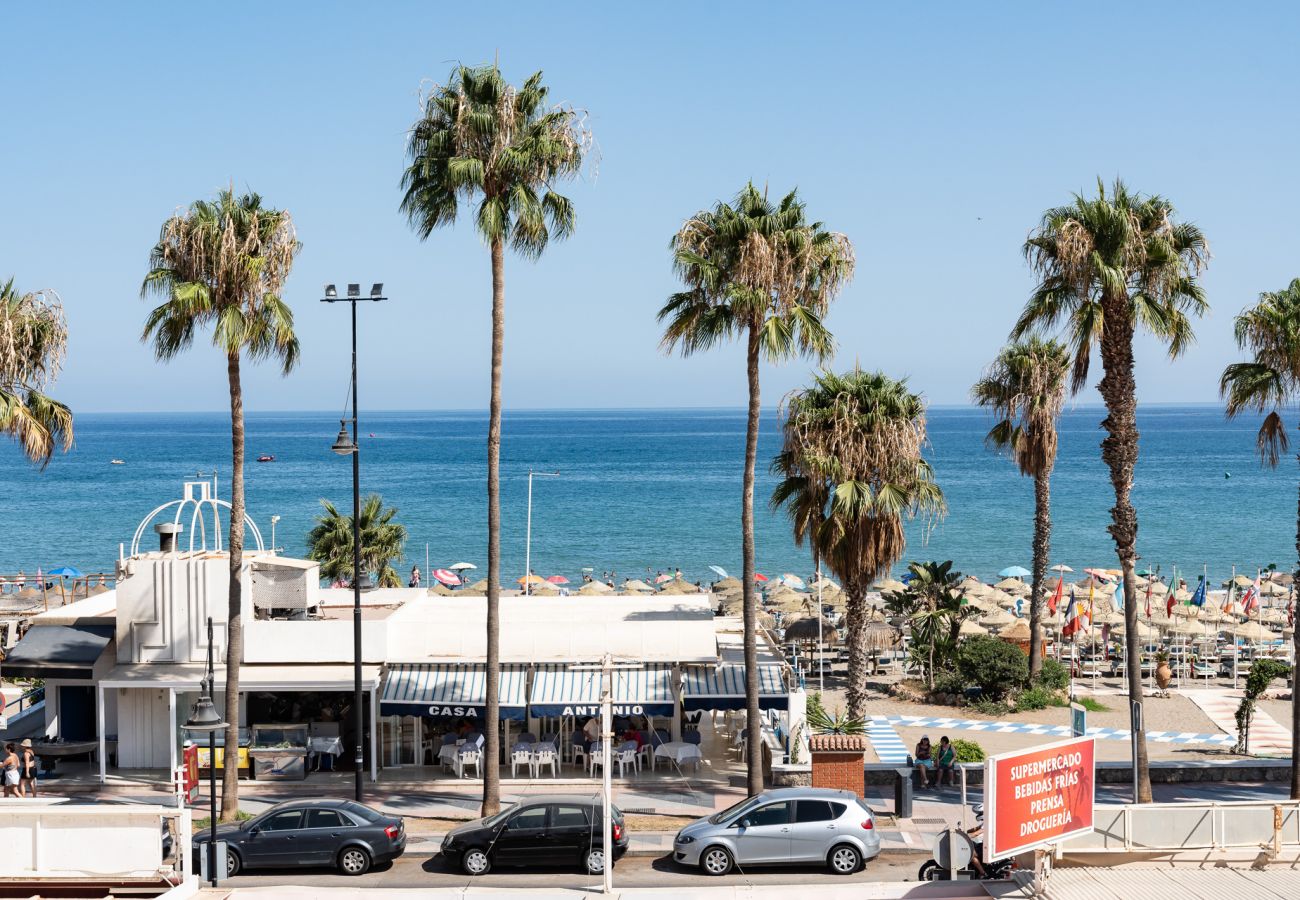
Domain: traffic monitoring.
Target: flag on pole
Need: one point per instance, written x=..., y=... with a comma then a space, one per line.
x=1148, y=599
x=1228, y=601
x=1250, y=600
x=1198, y=598
x=1056, y=598
x=1119, y=595
x=1076, y=619
x=1090, y=603
x=1173, y=589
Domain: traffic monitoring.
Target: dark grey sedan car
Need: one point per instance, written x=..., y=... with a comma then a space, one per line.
x=339, y=833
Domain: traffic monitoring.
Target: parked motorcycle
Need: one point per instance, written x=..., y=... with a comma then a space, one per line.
x=970, y=850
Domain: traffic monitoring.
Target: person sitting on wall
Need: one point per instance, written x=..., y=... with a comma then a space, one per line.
x=924, y=760
x=947, y=762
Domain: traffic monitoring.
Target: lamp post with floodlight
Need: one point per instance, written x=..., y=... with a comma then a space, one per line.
x=344, y=446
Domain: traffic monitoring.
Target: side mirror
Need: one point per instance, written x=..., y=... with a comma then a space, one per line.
x=744, y=823
x=254, y=831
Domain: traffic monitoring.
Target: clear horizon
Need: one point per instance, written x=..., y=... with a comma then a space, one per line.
x=933, y=137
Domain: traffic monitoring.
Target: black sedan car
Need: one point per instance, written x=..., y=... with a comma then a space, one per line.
x=546, y=831
x=338, y=833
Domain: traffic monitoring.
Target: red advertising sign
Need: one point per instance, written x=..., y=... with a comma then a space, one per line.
x=1036, y=797
x=190, y=780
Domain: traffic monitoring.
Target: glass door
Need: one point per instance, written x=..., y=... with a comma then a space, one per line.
x=401, y=740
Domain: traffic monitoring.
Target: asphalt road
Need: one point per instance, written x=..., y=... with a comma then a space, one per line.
x=427, y=872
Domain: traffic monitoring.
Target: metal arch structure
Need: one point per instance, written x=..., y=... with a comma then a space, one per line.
x=198, y=500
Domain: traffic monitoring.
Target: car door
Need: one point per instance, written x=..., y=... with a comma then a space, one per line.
x=570, y=830
x=814, y=829
x=763, y=834
x=276, y=840
x=522, y=840
x=323, y=834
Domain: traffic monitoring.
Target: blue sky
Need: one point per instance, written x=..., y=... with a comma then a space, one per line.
x=934, y=135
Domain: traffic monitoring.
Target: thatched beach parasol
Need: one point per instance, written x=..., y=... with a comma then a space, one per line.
x=636, y=586
x=594, y=588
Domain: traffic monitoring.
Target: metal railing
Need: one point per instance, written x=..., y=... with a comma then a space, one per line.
x=1190, y=826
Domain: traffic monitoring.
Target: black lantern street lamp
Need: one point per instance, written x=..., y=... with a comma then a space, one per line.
x=352, y=447
x=204, y=717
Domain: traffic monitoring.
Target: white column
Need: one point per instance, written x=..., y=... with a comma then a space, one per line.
x=374, y=734
x=171, y=730
x=103, y=741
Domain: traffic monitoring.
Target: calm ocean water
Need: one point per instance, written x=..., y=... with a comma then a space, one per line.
x=644, y=488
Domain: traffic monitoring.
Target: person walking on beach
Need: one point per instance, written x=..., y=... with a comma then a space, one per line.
x=28, y=768
x=10, y=767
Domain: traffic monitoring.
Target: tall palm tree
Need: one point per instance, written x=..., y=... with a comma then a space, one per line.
x=934, y=605
x=223, y=264
x=33, y=342
x=1025, y=390
x=1270, y=382
x=1106, y=266
x=482, y=139
x=762, y=272
x=382, y=541
x=851, y=473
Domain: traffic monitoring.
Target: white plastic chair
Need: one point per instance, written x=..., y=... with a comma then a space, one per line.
x=519, y=758
x=469, y=757
x=545, y=757
x=626, y=757
x=595, y=758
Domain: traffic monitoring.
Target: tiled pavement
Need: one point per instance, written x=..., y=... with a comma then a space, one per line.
x=943, y=723
x=1267, y=737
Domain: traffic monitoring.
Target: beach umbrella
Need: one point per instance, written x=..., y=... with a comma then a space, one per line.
x=1014, y=572
x=1241, y=581
x=1286, y=579
x=1007, y=584
x=1099, y=574
x=1061, y=567
x=1159, y=587
x=98, y=589
x=530, y=579
x=998, y=617
x=806, y=629
x=461, y=566
x=64, y=572
x=720, y=572
x=970, y=629
x=793, y=580
x=1186, y=627
x=880, y=636
x=1110, y=618
x=557, y=579
x=759, y=576
x=592, y=588
x=441, y=590
x=1017, y=632
x=824, y=584
x=729, y=584
x=662, y=577
x=1276, y=616
x=677, y=586
x=636, y=585
x=890, y=586
x=1253, y=631
x=1273, y=589
x=545, y=589
x=447, y=577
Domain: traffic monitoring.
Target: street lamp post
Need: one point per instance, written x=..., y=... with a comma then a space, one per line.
x=528, y=531
x=344, y=446
x=204, y=717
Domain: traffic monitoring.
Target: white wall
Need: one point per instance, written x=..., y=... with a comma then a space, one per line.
x=316, y=641
x=162, y=607
x=40, y=838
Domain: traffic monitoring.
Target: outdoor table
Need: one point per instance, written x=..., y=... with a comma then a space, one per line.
x=677, y=751
x=447, y=753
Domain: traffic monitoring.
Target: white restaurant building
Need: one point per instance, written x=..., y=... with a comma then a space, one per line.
x=122, y=669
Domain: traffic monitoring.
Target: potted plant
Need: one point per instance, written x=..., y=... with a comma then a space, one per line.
x=1164, y=674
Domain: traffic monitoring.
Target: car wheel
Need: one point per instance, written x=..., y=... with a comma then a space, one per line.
x=233, y=863
x=354, y=861
x=845, y=860
x=475, y=862
x=716, y=861
x=594, y=861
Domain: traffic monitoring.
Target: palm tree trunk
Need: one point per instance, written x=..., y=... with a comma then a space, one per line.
x=235, y=598
x=855, y=628
x=1119, y=450
x=1042, y=549
x=1295, y=666
x=753, y=718
x=491, y=774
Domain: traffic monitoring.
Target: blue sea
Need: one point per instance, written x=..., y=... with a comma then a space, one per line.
x=645, y=490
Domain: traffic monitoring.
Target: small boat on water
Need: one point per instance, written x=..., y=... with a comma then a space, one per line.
x=117, y=462
x=266, y=457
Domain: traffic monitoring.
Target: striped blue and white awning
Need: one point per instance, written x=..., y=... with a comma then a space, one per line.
x=723, y=687
x=562, y=691
x=451, y=690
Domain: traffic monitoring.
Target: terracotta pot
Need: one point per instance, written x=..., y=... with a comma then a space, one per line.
x=1164, y=675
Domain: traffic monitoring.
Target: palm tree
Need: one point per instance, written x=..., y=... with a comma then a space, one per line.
x=851, y=473
x=934, y=605
x=382, y=541
x=1025, y=390
x=223, y=263
x=480, y=138
x=33, y=342
x=1270, y=382
x=760, y=271
x=1105, y=267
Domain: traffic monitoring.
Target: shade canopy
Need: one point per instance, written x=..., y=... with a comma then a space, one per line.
x=722, y=686
x=57, y=651
x=462, y=565
x=571, y=691
x=1014, y=572
x=451, y=690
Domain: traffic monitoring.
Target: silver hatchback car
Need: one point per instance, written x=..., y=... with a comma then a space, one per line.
x=783, y=827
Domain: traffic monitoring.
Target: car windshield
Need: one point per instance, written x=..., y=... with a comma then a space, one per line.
x=733, y=810
x=493, y=821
